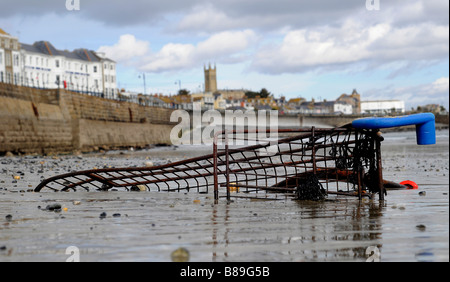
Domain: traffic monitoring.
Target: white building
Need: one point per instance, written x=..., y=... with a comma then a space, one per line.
x=41, y=65
x=10, y=69
x=382, y=107
x=81, y=70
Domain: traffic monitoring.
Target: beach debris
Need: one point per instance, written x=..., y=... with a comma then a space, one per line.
x=303, y=163
x=421, y=227
x=180, y=255
x=134, y=188
x=53, y=207
x=410, y=184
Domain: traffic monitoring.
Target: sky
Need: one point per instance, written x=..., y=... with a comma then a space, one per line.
x=385, y=49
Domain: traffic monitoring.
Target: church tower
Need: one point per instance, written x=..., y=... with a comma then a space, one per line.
x=210, y=79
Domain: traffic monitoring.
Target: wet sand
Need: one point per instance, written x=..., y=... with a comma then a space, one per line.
x=410, y=225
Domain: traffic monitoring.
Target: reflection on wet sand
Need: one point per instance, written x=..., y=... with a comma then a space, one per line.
x=333, y=230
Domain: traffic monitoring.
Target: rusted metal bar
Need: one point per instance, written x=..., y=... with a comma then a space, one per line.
x=379, y=164
x=227, y=164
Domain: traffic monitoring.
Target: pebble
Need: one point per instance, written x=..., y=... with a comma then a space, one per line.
x=421, y=227
x=53, y=207
x=422, y=193
x=142, y=187
x=103, y=215
x=134, y=188
x=76, y=203
x=116, y=215
x=8, y=217
x=180, y=255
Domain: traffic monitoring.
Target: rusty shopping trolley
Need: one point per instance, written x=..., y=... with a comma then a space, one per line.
x=298, y=163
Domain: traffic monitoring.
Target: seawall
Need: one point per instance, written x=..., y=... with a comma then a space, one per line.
x=59, y=121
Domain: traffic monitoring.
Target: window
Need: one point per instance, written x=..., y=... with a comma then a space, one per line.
x=95, y=68
x=1, y=76
x=16, y=60
x=57, y=63
x=8, y=59
x=1, y=58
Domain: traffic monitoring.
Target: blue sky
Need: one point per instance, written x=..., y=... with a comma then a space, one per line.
x=312, y=49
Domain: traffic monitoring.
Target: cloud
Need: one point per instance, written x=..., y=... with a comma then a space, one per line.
x=222, y=47
x=435, y=92
x=126, y=49
x=353, y=44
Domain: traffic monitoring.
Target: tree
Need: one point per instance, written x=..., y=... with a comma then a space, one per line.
x=262, y=94
x=183, y=92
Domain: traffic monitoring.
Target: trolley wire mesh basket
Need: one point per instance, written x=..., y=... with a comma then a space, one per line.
x=341, y=160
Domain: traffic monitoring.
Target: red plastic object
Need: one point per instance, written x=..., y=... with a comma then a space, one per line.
x=410, y=184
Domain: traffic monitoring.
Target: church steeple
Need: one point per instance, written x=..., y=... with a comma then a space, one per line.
x=210, y=78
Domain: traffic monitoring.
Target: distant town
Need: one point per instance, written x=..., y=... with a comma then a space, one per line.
x=41, y=65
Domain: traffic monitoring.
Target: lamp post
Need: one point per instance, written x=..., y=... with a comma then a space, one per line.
x=145, y=88
x=179, y=83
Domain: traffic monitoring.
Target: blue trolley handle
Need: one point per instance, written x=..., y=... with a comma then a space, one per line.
x=425, y=125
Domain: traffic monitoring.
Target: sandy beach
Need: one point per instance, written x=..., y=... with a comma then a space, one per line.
x=410, y=225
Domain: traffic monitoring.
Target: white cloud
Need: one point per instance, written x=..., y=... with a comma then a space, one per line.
x=170, y=57
x=441, y=85
x=207, y=19
x=435, y=92
x=126, y=49
x=353, y=43
x=221, y=47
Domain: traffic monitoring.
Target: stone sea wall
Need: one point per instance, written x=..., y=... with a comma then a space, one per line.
x=58, y=121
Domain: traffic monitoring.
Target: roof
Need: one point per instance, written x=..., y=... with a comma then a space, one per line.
x=3, y=32
x=46, y=48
